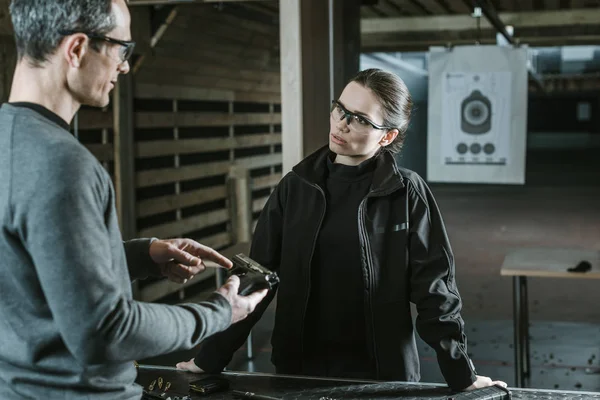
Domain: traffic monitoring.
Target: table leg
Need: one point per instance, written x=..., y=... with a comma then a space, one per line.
x=517, y=321
x=249, y=347
x=525, y=331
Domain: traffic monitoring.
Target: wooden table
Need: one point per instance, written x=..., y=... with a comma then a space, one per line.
x=543, y=263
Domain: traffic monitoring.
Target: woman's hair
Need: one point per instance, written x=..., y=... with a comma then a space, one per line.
x=394, y=98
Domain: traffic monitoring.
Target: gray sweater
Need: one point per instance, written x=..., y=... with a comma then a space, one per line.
x=69, y=327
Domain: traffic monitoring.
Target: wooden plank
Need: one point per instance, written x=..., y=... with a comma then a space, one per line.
x=550, y=18
x=212, y=55
x=157, y=75
x=191, y=119
x=186, y=199
x=550, y=262
x=216, y=70
x=103, y=152
x=263, y=182
x=217, y=241
x=259, y=204
x=186, y=146
x=156, y=91
x=153, y=38
x=95, y=119
x=306, y=86
x=5, y=22
x=168, y=175
x=8, y=60
x=434, y=7
x=157, y=290
x=257, y=97
x=227, y=19
x=423, y=45
x=186, y=225
x=457, y=7
x=134, y=3
x=409, y=7
x=215, y=28
x=124, y=155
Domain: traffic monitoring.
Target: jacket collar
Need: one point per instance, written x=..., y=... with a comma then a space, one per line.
x=387, y=176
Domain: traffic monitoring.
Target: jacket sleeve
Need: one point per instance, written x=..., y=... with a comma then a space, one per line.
x=64, y=230
x=217, y=351
x=139, y=262
x=433, y=288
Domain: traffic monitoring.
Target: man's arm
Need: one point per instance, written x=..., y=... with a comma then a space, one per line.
x=81, y=275
x=139, y=262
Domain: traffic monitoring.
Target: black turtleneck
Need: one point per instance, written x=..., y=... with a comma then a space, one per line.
x=335, y=329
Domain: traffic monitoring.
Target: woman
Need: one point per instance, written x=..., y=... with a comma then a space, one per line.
x=355, y=239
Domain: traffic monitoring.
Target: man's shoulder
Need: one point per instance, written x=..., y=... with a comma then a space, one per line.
x=46, y=142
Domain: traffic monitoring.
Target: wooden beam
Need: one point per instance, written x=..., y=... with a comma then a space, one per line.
x=168, y=175
x=305, y=77
x=346, y=43
x=187, y=146
x=145, y=32
x=191, y=119
x=177, y=201
x=536, y=19
x=181, y=227
x=103, y=152
x=5, y=22
x=124, y=155
x=157, y=2
x=393, y=44
x=8, y=59
x=267, y=181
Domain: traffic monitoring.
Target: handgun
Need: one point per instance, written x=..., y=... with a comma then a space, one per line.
x=253, y=276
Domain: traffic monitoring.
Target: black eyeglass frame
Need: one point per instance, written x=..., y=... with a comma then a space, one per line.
x=348, y=114
x=128, y=44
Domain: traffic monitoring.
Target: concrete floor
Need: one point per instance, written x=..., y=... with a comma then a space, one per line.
x=558, y=207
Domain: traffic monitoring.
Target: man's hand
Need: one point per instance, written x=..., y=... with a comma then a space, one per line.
x=189, y=366
x=484, y=381
x=182, y=259
x=241, y=306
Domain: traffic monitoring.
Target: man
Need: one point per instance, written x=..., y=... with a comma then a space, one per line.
x=69, y=327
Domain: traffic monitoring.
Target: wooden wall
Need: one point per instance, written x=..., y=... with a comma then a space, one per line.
x=207, y=97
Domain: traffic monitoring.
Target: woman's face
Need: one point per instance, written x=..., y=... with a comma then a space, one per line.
x=358, y=141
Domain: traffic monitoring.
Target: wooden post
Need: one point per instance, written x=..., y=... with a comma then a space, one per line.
x=240, y=204
x=125, y=156
x=319, y=54
x=345, y=49
x=8, y=60
x=304, y=37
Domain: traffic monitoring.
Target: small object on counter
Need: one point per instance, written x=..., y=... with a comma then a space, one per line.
x=240, y=394
x=583, y=266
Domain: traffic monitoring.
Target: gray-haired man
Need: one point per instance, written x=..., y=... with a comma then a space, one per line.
x=69, y=327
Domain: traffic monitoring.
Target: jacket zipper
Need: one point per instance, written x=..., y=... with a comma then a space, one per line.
x=367, y=249
x=312, y=253
x=367, y=245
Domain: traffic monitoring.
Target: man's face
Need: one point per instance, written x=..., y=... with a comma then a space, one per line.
x=102, y=63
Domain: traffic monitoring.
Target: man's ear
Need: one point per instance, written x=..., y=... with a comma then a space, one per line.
x=75, y=47
x=389, y=137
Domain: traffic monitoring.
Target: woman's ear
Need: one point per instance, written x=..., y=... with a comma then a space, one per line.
x=389, y=137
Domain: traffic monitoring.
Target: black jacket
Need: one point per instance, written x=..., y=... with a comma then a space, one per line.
x=406, y=257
